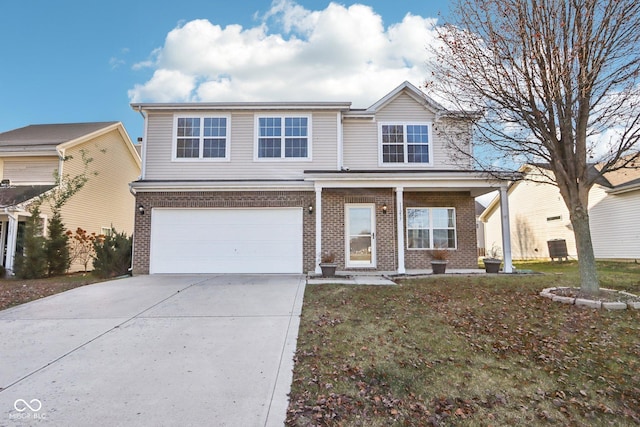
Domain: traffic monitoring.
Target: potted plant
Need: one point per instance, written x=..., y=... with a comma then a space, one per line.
x=439, y=260
x=328, y=264
x=492, y=261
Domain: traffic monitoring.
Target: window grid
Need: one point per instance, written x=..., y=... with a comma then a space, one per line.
x=405, y=143
x=201, y=138
x=431, y=228
x=288, y=138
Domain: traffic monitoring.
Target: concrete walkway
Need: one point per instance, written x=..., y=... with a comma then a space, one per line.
x=153, y=350
x=379, y=278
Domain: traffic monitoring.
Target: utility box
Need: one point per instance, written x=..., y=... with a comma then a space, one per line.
x=558, y=249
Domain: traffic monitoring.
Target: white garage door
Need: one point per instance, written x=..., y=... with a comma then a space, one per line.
x=226, y=240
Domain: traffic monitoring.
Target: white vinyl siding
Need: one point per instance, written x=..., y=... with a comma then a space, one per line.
x=615, y=225
x=243, y=166
x=530, y=204
x=31, y=170
x=361, y=145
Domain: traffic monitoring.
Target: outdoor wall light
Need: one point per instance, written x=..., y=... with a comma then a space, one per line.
x=141, y=209
x=384, y=208
x=310, y=209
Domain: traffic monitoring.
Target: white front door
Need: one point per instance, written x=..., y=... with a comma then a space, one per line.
x=360, y=224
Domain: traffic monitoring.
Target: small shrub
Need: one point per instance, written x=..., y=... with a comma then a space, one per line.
x=112, y=254
x=30, y=261
x=81, y=245
x=56, y=247
x=440, y=254
x=328, y=258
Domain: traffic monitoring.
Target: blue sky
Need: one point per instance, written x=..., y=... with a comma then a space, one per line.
x=75, y=61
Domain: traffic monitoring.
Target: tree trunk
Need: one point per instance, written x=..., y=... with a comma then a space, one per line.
x=586, y=260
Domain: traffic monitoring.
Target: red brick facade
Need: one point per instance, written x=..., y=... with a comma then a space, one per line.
x=466, y=255
x=333, y=225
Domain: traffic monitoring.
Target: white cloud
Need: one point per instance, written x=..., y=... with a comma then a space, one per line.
x=339, y=54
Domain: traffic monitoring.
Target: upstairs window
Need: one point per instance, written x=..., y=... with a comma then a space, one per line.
x=283, y=138
x=405, y=143
x=431, y=228
x=202, y=138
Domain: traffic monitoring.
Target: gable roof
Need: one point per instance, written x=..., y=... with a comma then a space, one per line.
x=410, y=90
x=11, y=196
x=47, y=139
x=48, y=136
x=418, y=96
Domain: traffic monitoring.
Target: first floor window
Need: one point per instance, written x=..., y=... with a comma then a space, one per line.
x=431, y=228
x=283, y=137
x=201, y=138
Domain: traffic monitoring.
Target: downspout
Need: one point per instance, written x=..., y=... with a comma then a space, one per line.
x=143, y=152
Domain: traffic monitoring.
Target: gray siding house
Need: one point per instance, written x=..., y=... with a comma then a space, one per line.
x=268, y=187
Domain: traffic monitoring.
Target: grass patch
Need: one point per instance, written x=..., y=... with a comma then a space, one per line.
x=469, y=351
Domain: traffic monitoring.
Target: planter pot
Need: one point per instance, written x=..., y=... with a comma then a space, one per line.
x=438, y=267
x=328, y=269
x=492, y=265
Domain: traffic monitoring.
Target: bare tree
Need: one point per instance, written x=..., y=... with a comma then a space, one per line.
x=555, y=82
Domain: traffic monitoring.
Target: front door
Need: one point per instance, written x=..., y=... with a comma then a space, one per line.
x=360, y=235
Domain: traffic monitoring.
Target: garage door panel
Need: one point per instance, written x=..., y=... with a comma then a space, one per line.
x=226, y=240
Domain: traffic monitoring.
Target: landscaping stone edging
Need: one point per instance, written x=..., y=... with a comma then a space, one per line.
x=612, y=305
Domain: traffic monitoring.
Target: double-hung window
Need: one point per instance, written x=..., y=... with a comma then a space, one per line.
x=283, y=137
x=405, y=143
x=204, y=137
x=431, y=228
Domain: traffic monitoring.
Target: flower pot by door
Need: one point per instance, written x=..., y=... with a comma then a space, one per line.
x=328, y=270
x=438, y=267
x=492, y=265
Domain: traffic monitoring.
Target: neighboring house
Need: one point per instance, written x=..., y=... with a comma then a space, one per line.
x=539, y=215
x=267, y=187
x=30, y=158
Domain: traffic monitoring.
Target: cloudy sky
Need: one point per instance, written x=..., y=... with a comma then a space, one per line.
x=73, y=61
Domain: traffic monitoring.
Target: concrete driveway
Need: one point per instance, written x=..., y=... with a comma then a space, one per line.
x=158, y=350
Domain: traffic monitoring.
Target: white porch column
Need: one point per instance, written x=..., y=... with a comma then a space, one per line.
x=506, y=230
x=318, y=208
x=12, y=231
x=400, y=231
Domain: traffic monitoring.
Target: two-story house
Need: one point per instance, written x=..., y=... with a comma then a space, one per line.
x=267, y=187
x=30, y=159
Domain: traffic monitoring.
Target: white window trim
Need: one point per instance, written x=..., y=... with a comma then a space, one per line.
x=455, y=227
x=174, y=137
x=347, y=235
x=256, y=135
x=406, y=163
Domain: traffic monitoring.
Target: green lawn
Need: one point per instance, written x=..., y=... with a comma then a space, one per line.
x=459, y=350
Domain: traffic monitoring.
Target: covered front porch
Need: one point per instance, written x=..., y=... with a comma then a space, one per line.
x=14, y=201
x=371, y=221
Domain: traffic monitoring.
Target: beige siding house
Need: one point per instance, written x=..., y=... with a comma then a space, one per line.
x=539, y=215
x=30, y=158
x=270, y=187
